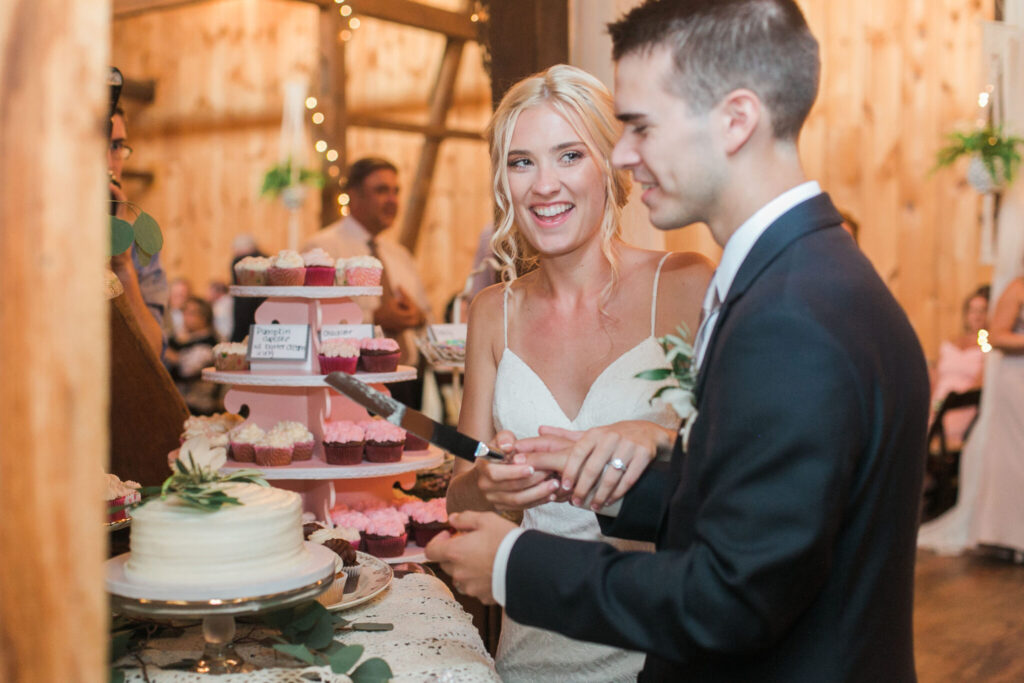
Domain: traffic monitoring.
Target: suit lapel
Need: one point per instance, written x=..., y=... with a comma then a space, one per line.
x=809, y=216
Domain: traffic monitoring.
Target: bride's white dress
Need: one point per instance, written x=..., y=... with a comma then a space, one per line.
x=522, y=403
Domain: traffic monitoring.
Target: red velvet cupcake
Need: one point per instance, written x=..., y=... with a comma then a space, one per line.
x=385, y=534
x=319, y=268
x=379, y=355
x=343, y=443
x=384, y=441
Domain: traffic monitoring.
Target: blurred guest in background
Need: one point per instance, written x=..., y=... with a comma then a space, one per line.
x=174, y=321
x=223, y=309
x=191, y=351
x=961, y=365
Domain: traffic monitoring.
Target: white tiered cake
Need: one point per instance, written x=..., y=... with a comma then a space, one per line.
x=260, y=540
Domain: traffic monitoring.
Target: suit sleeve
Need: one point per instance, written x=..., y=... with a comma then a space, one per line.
x=773, y=448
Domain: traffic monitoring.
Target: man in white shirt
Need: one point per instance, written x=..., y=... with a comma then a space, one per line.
x=372, y=187
x=785, y=526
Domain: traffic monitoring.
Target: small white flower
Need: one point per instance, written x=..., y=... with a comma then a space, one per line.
x=206, y=458
x=681, y=401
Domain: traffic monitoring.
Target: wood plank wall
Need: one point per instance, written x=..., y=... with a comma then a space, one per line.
x=213, y=128
x=54, y=348
x=896, y=76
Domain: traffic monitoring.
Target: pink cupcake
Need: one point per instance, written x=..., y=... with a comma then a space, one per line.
x=385, y=534
x=243, y=441
x=363, y=271
x=338, y=355
x=301, y=438
x=251, y=271
x=384, y=441
x=343, y=443
x=378, y=354
x=415, y=443
x=287, y=269
x=428, y=519
x=120, y=496
x=319, y=268
x=274, y=450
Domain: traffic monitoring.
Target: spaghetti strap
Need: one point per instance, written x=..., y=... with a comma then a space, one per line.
x=504, y=313
x=654, y=296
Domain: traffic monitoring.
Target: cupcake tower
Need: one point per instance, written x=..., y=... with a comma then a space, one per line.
x=385, y=528
x=314, y=268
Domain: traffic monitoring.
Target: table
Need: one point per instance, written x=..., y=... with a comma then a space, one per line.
x=433, y=640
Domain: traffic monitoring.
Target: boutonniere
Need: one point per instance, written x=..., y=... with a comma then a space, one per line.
x=679, y=355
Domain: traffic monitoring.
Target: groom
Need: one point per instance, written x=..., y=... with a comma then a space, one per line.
x=785, y=532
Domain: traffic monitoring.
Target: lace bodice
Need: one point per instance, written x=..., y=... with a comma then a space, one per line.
x=522, y=403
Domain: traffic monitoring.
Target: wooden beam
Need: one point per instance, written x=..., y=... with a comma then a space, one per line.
x=130, y=8
x=409, y=13
x=139, y=90
x=54, y=615
x=440, y=103
x=430, y=131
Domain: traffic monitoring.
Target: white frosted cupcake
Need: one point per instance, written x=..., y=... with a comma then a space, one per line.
x=251, y=271
x=288, y=269
x=274, y=450
x=301, y=438
x=363, y=271
x=243, y=441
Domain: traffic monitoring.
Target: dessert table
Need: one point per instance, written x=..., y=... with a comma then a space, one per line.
x=433, y=640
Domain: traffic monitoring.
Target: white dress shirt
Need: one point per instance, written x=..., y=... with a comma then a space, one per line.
x=346, y=238
x=733, y=256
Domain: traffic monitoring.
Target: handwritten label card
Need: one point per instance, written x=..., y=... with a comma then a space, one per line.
x=279, y=342
x=449, y=332
x=345, y=332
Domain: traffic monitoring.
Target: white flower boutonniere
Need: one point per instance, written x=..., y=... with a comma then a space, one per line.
x=679, y=355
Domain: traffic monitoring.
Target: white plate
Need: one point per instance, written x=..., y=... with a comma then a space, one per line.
x=319, y=564
x=374, y=577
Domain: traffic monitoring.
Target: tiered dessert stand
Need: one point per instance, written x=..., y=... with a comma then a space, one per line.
x=295, y=390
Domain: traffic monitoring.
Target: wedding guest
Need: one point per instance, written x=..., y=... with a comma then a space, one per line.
x=785, y=520
x=191, y=351
x=223, y=309
x=372, y=186
x=961, y=365
x=562, y=344
x=145, y=286
x=174, y=321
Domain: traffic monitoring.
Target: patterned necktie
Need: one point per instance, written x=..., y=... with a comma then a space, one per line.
x=708, y=317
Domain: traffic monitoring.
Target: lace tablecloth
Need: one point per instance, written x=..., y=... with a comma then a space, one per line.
x=433, y=640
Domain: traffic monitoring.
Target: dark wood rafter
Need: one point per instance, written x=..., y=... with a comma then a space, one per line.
x=129, y=8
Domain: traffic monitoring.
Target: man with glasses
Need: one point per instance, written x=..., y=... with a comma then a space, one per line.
x=145, y=287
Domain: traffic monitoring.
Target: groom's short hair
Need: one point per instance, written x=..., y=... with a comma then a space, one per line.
x=721, y=45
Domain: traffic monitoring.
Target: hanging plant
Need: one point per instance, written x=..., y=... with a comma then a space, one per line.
x=994, y=156
x=279, y=178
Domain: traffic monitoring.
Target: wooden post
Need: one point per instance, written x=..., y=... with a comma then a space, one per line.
x=440, y=103
x=524, y=37
x=54, y=345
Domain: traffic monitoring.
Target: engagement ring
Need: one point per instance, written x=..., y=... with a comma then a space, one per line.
x=617, y=464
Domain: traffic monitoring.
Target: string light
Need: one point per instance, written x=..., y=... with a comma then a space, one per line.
x=321, y=146
x=345, y=10
x=345, y=36
x=343, y=199
x=310, y=103
x=318, y=118
x=353, y=23
x=983, y=341
x=332, y=155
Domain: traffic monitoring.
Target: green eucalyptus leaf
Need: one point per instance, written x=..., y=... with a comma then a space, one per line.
x=300, y=652
x=657, y=374
x=306, y=616
x=321, y=635
x=116, y=676
x=143, y=257
x=121, y=236
x=374, y=670
x=344, y=658
x=278, y=619
x=119, y=645
x=147, y=233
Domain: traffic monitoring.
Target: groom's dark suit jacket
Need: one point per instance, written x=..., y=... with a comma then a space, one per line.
x=786, y=534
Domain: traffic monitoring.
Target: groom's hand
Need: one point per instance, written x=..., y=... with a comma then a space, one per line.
x=468, y=556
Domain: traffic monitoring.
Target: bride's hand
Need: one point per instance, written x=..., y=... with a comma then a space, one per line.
x=513, y=484
x=606, y=461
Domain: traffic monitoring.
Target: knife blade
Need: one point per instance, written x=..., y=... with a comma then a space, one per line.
x=442, y=436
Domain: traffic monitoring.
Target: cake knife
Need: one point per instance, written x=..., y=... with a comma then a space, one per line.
x=442, y=436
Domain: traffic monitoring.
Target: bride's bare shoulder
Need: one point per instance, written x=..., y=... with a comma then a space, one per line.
x=688, y=269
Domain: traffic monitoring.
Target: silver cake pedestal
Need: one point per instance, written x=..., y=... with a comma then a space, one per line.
x=218, y=606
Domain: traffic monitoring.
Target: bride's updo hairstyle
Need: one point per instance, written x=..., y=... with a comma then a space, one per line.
x=586, y=105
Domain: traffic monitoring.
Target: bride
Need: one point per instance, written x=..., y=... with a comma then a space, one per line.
x=560, y=343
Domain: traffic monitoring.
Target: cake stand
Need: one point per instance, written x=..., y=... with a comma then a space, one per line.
x=218, y=606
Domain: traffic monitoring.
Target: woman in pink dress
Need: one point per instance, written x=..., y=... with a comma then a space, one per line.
x=961, y=365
